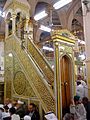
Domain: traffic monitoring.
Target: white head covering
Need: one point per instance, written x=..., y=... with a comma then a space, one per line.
x=27, y=117
x=1, y=105
x=20, y=102
x=83, y=83
x=15, y=117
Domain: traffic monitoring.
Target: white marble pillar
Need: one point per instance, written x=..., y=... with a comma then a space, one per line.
x=13, y=23
x=6, y=29
x=86, y=22
x=26, y=29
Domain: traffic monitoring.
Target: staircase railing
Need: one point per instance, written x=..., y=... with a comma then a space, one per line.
x=41, y=61
x=37, y=56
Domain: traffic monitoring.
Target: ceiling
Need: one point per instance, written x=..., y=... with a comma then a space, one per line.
x=2, y=2
x=2, y=24
x=43, y=4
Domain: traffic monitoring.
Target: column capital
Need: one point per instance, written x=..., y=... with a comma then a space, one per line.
x=56, y=43
x=14, y=15
x=27, y=17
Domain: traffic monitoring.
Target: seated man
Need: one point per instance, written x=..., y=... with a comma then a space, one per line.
x=77, y=109
x=86, y=104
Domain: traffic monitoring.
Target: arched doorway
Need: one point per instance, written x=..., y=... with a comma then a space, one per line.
x=66, y=80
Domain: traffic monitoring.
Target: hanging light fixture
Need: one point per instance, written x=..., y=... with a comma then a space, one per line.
x=44, y=28
x=2, y=14
x=61, y=3
x=40, y=15
x=48, y=48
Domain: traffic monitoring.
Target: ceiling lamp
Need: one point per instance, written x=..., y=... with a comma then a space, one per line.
x=44, y=28
x=10, y=55
x=2, y=14
x=40, y=15
x=82, y=56
x=61, y=3
x=81, y=42
x=48, y=48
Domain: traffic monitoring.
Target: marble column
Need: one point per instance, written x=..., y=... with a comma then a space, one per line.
x=26, y=29
x=6, y=29
x=13, y=23
x=86, y=22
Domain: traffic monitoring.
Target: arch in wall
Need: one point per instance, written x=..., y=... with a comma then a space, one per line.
x=79, y=16
x=40, y=6
x=76, y=24
x=9, y=15
x=55, y=18
x=77, y=29
x=44, y=36
x=72, y=13
x=8, y=12
x=8, y=18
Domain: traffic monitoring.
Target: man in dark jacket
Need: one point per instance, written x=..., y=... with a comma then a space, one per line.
x=20, y=109
x=86, y=103
x=33, y=112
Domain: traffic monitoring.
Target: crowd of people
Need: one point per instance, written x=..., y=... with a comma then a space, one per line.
x=80, y=105
x=79, y=109
x=81, y=87
x=18, y=110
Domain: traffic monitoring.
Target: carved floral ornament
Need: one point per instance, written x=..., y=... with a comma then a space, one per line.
x=19, y=82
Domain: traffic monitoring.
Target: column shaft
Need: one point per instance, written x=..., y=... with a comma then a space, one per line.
x=58, y=95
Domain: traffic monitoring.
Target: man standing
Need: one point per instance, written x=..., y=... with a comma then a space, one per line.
x=32, y=112
x=77, y=109
x=86, y=103
x=79, y=89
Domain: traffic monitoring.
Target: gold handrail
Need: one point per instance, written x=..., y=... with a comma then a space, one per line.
x=41, y=60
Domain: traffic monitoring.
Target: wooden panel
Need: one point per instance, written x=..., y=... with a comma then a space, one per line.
x=65, y=80
x=1, y=92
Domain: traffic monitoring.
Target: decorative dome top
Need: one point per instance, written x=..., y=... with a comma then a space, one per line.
x=8, y=2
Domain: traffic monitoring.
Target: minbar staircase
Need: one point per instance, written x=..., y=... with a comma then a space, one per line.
x=37, y=81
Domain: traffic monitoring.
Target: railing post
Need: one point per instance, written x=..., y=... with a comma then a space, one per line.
x=26, y=29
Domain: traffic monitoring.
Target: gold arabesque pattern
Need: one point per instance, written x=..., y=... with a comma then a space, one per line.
x=41, y=89
x=19, y=82
x=12, y=64
x=41, y=61
x=8, y=83
x=28, y=92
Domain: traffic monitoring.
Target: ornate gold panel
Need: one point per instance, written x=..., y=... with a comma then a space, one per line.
x=41, y=61
x=35, y=80
x=41, y=89
x=19, y=82
x=28, y=90
x=8, y=83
